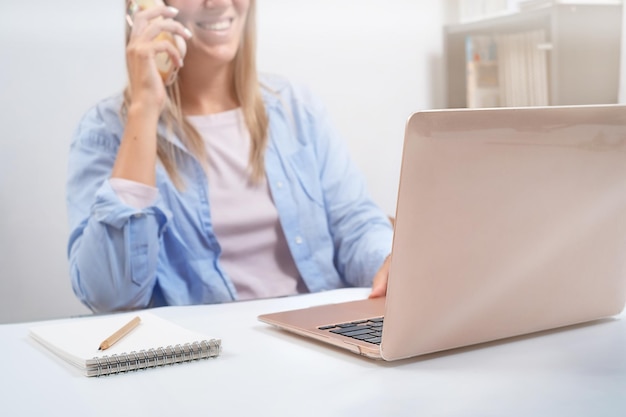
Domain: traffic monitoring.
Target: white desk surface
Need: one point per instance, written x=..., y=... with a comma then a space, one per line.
x=578, y=371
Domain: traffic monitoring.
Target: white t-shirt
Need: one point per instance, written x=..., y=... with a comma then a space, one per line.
x=245, y=220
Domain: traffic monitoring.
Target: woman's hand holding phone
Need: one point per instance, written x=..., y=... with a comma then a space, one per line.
x=155, y=49
x=150, y=47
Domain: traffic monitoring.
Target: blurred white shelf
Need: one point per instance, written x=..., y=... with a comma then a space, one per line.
x=582, y=49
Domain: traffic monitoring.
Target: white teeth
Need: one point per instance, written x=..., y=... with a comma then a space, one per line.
x=222, y=25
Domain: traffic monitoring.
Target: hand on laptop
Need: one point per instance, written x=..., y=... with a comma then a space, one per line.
x=379, y=286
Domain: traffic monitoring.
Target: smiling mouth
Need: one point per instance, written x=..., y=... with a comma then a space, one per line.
x=216, y=26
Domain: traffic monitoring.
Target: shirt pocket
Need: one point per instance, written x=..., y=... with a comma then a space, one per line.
x=306, y=170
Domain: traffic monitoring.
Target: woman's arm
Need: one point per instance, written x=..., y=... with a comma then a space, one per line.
x=137, y=155
x=113, y=248
x=361, y=232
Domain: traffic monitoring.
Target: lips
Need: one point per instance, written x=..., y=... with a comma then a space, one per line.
x=216, y=26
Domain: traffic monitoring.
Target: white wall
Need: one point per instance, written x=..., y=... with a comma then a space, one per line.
x=56, y=59
x=372, y=62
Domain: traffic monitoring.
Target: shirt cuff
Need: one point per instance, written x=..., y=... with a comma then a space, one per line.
x=134, y=194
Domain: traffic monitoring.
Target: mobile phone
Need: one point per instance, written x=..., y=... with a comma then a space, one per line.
x=166, y=67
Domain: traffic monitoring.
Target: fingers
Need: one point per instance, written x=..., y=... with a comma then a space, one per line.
x=378, y=290
x=158, y=26
x=153, y=46
x=171, y=50
x=150, y=23
x=141, y=18
x=379, y=285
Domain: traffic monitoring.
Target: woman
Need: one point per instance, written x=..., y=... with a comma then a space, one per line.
x=221, y=186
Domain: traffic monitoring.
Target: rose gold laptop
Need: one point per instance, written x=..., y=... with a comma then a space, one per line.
x=509, y=221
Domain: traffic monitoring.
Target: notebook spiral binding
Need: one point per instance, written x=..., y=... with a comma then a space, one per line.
x=152, y=358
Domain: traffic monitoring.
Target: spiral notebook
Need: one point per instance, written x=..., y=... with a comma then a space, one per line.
x=154, y=342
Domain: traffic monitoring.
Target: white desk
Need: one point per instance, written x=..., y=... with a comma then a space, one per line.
x=580, y=371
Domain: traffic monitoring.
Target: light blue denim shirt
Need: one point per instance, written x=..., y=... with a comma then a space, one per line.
x=167, y=254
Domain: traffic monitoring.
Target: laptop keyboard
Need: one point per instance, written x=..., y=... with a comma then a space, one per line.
x=370, y=330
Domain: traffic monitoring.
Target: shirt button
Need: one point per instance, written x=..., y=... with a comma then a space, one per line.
x=298, y=240
x=279, y=184
x=138, y=215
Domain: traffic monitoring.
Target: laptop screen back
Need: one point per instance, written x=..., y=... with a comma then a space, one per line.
x=508, y=221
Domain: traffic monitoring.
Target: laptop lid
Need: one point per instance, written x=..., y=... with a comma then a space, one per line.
x=509, y=221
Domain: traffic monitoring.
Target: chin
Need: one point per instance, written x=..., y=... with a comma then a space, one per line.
x=215, y=53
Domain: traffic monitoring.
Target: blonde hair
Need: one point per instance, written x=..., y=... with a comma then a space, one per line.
x=248, y=93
